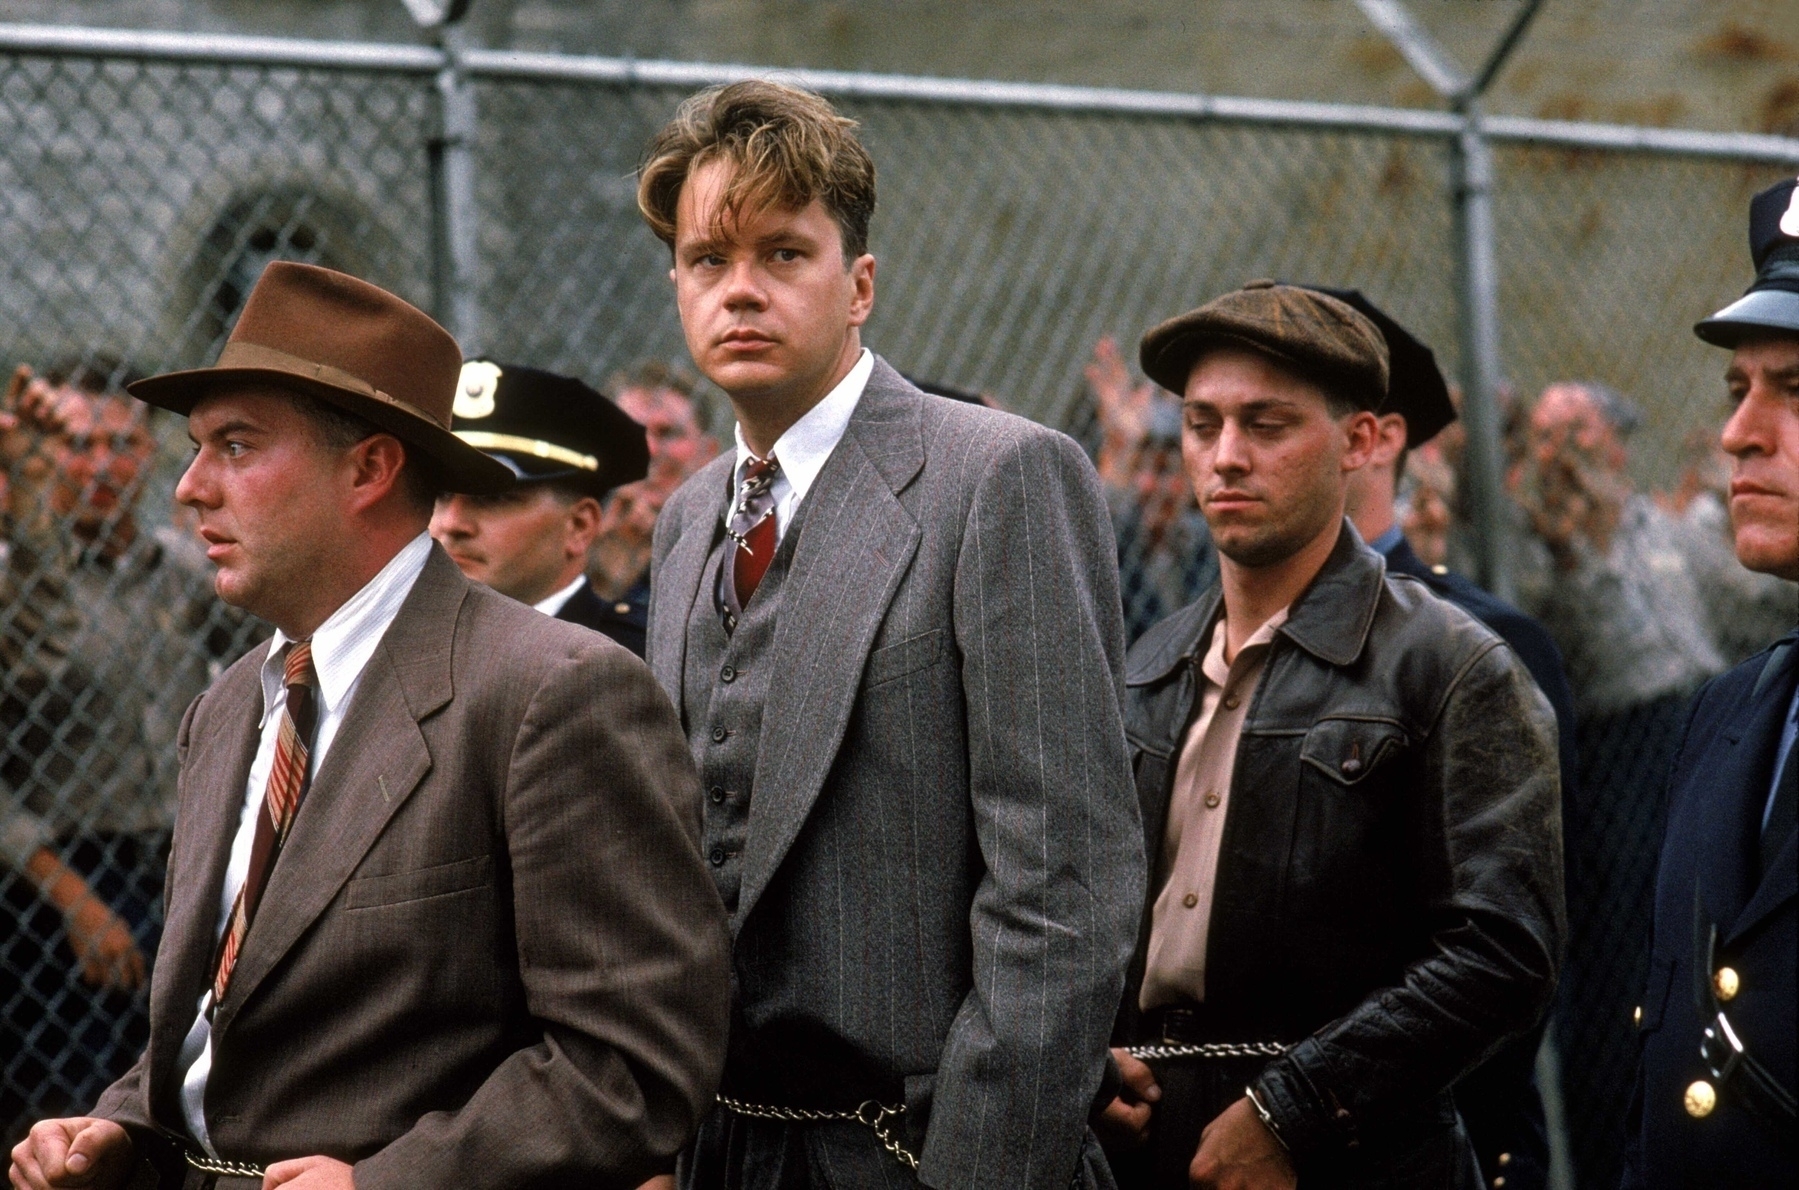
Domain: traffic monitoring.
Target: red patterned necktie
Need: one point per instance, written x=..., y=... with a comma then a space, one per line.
x=752, y=539
x=280, y=803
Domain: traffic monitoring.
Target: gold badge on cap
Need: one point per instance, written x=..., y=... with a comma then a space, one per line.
x=476, y=388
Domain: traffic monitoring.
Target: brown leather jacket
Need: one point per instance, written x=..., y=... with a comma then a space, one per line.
x=1389, y=890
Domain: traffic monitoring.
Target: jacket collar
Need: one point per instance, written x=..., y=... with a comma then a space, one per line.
x=1330, y=619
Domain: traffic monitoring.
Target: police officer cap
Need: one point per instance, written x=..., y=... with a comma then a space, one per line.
x=1320, y=338
x=1416, y=389
x=542, y=426
x=1772, y=302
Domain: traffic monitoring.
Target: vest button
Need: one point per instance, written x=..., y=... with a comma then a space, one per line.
x=719, y=734
x=727, y=674
x=717, y=857
x=718, y=795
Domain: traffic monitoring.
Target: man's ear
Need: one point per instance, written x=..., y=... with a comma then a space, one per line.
x=584, y=517
x=376, y=464
x=1362, y=436
x=862, y=277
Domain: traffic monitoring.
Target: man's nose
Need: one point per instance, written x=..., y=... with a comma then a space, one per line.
x=743, y=287
x=451, y=518
x=1230, y=456
x=1746, y=431
x=195, y=489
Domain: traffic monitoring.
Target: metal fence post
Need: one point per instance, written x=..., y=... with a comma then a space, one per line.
x=1477, y=289
x=454, y=241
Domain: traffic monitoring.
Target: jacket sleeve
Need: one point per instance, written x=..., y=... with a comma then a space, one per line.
x=622, y=952
x=1488, y=828
x=1039, y=626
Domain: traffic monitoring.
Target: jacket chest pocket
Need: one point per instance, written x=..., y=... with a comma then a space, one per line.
x=892, y=662
x=1351, y=752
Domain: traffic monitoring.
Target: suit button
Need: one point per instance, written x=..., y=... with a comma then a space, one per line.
x=1190, y=900
x=717, y=857
x=1700, y=1099
x=719, y=734
x=727, y=674
x=718, y=795
x=1726, y=983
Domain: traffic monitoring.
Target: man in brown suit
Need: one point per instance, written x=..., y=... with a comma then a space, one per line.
x=435, y=916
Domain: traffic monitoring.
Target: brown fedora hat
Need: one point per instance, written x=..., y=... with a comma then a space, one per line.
x=331, y=336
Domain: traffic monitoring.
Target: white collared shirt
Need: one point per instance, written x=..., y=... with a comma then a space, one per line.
x=807, y=445
x=552, y=605
x=341, y=648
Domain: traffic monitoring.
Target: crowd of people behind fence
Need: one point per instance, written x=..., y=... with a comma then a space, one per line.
x=1630, y=600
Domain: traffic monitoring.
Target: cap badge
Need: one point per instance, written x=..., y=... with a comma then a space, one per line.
x=1789, y=222
x=476, y=388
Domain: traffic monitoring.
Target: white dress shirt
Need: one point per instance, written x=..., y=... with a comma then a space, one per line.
x=553, y=605
x=807, y=445
x=341, y=648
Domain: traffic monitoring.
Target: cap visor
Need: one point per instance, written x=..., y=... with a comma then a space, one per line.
x=459, y=466
x=1760, y=311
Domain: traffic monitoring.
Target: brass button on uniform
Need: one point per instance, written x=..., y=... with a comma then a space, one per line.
x=1499, y=1182
x=1505, y=1159
x=1726, y=983
x=1636, y=1015
x=1700, y=1099
x=623, y=609
x=1190, y=900
x=1211, y=801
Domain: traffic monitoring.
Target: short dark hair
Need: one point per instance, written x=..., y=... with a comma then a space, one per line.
x=339, y=429
x=790, y=146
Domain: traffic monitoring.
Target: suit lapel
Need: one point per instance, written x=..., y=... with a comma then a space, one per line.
x=857, y=544
x=377, y=759
x=218, y=773
x=681, y=575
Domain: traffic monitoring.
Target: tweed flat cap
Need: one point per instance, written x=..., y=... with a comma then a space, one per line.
x=1319, y=337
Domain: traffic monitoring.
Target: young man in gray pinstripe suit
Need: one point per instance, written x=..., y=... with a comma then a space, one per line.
x=891, y=624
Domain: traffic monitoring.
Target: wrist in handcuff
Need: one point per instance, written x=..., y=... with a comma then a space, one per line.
x=1267, y=1119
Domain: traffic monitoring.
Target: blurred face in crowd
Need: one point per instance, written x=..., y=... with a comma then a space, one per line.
x=678, y=447
x=86, y=453
x=1762, y=438
x=278, y=507
x=1567, y=422
x=1267, y=458
x=529, y=542
x=1162, y=490
x=621, y=552
x=769, y=305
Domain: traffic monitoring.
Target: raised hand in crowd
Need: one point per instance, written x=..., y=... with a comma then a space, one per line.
x=102, y=942
x=83, y=1152
x=1124, y=409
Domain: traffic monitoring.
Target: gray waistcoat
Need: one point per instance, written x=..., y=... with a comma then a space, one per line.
x=725, y=684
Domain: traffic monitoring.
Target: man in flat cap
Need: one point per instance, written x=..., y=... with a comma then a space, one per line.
x=892, y=623
x=567, y=447
x=1499, y=1102
x=1715, y=1098
x=1349, y=796
x=435, y=916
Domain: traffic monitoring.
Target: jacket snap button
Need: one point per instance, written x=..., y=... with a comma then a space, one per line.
x=727, y=674
x=719, y=734
x=717, y=857
x=1700, y=1099
x=1352, y=766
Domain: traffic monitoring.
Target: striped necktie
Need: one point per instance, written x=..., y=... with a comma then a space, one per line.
x=752, y=545
x=280, y=804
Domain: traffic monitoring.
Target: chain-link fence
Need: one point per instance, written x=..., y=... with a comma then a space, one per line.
x=146, y=179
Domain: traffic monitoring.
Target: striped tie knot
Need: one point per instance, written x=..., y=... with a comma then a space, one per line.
x=299, y=670
x=752, y=530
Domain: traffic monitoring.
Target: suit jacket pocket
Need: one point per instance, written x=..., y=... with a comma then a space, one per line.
x=903, y=657
x=372, y=892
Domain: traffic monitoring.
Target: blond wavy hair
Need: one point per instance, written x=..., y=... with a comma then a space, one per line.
x=788, y=146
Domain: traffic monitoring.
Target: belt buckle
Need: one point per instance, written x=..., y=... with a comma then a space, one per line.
x=1177, y=1026
x=1719, y=1034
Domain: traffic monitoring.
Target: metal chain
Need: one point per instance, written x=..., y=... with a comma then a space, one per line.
x=871, y=1115
x=1216, y=1049
x=224, y=1169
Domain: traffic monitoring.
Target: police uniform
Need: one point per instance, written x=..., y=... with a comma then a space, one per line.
x=1500, y=1103
x=546, y=427
x=1714, y=1102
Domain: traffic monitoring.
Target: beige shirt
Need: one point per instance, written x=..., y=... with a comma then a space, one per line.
x=1188, y=865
